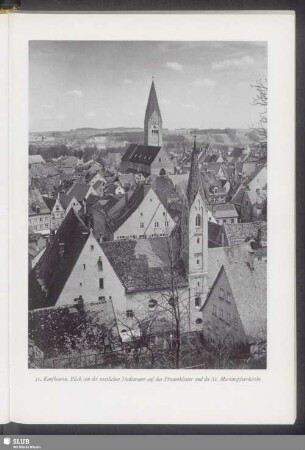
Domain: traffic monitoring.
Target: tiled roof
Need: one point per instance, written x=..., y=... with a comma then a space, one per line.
x=236, y=152
x=54, y=269
x=43, y=170
x=236, y=233
x=36, y=159
x=165, y=190
x=50, y=202
x=250, y=293
x=214, y=231
x=98, y=183
x=119, y=215
x=37, y=201
x=65, y=200
x=144, y=154
x=144, y=264
x=211, y=158
x=249, y=288
x=224, y=210
x=79, y=191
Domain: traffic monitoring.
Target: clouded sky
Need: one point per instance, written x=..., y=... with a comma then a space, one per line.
x=106, y=84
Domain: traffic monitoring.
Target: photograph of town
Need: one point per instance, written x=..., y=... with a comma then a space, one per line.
x=147, y=205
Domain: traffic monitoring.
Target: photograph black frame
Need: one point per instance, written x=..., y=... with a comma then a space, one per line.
x=226, y=6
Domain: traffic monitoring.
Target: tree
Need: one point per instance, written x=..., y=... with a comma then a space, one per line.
x=261, y=100
x=164, y=313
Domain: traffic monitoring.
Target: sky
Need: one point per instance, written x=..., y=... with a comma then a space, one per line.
x=105, y=84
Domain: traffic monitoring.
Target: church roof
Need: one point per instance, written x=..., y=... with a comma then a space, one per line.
x=152, y=104
x=144, y=154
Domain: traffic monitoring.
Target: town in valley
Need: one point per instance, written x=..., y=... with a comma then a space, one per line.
x=147, y=246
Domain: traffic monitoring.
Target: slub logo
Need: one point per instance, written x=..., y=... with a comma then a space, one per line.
x=6, y=441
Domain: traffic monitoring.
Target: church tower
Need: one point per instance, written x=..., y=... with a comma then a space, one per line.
x=194, y=235
x=153, y=120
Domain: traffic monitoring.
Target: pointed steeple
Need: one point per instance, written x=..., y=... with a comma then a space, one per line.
x=195, y=181
x=152, y=104
x=153, y=119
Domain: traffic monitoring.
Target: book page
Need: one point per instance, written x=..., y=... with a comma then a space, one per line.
x=4, y=293
x=149, y=281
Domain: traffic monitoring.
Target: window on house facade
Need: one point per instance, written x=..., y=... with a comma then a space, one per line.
x=221, y=314
x=100, y=264
x=215, y=310
x=102, y=299
x=232, y=220
x=57, y=208
x=141, y=224
x=166, y=224
x=141, y=214
x=197, y=302
x=163, y=213
x=101, y=283
x=221, y=293
x=228, y=318
x=197, y=262
x=198, y=240
x=224, y=221
x=229, y=297
x=129, y=313
x=198, y=220
x=156, y=224
x=159, y=159
x=84, y=266
x=91, y=247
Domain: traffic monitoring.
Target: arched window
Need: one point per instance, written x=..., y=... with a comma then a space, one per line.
x=198, y=220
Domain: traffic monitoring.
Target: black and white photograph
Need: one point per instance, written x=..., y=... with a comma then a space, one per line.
x=147, y=204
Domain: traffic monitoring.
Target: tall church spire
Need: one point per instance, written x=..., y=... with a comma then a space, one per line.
x=153, y=119
x=195, y=182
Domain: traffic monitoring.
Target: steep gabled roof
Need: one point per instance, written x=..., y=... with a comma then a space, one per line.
x=121, y=215
x=250, y=296
x=237, y=233
x=79, y=191
x=37, y=205
x=50, y=202
x=152, y=104
x=144, y=154
x=58, y=260
x=65, y=200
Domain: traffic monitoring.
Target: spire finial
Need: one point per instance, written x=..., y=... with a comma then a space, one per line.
x=195, y=136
